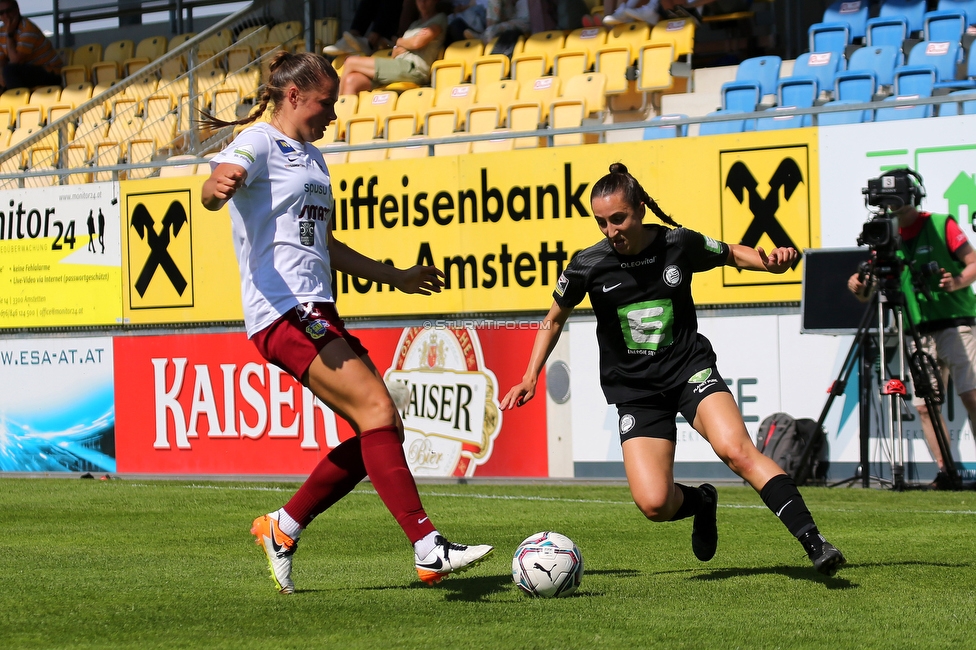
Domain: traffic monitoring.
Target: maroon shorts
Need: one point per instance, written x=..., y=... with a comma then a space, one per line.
x=295, y=339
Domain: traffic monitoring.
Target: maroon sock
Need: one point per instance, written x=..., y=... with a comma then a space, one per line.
x=333, y=478
x=389, y=474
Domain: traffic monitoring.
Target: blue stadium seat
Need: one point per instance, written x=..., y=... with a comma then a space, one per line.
x=953, y=108
x=944, y=25
x=912, y=10
x=891, y=30
x=819, y=66
x=829, y=37
x=880, y=59
x=794, y=92
x=941, y=55
x=782, y=121
x=843, y=117
x=910, y=81
x=740, y=96
x=728, y=126
x=855, y=85
x=966, y=83
x=763, y=70
x=661, y=128
x=852, y=12
x=968, y=6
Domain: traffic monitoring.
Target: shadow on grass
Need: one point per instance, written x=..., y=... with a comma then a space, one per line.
x=478, y=588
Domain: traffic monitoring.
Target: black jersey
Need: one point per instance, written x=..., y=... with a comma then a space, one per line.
x=646, y=322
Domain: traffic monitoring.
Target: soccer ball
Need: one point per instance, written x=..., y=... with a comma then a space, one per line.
x=547, y=564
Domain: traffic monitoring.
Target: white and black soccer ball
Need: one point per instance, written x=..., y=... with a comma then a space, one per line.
x=547, y=564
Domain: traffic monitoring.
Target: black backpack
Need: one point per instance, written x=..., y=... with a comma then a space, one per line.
x=784, y=438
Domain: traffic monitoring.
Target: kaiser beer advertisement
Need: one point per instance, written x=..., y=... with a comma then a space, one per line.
x=209, y=404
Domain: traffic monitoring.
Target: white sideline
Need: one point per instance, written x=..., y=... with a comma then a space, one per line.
x=509, y=497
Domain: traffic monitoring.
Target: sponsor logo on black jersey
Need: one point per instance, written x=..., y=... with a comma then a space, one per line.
x=672, y=276
x=561, y=284
x=630, y=265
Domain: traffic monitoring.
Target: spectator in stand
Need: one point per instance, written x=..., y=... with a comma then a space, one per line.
x=413, y=54
x=616, y=12
x=26, y=56
x=511, y=16
x=469, y=15
x=375, y=26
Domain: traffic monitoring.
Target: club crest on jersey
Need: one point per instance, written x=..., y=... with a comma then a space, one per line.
x=285, y=147
x=672, y=276
x=627, y=423
x=317, y=328
x=562, y=284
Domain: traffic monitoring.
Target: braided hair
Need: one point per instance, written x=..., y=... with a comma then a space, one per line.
x=304, y=70
x=620, y=180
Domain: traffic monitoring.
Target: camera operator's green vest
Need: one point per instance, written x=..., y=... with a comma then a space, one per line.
x=944, y=309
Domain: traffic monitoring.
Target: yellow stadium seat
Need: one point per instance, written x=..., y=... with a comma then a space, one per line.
x=504, y=142
x=374, y=106
x=655, y=67
x=590, y=88
x=238, y=57
x=45, y=97
x=499, y=93
x=681, y=33
x=458, y=97
x=107, y=153
x=543, y=90
x=185, y=168
x=224, y=104
x=465, y=51
x=6, y=120
x=446, y=74
x=140, y=150
x=363, y=132
x=178, y=40
x=247, y=81
x=76, y=94
x=105, y=72
x=218, y=41
x=78, y=155
x=14, y=98
x=524, y=116
x=483, y=118
x=490, y=68
x=85, y=55
x=118, y=51
x=253, y=36
x=29, y=117
x=442, y=123
x=147, y=50
x=286, y=31
x=587, y=40
x=327, y=30
x=540, y=44
x=345, y=108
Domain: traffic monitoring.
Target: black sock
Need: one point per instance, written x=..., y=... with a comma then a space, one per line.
x=692, y=503
x=781, y=496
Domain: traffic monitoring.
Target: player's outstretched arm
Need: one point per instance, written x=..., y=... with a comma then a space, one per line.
x=545, y=341
x=223, y=183
x=779, y=260
x=424, y=280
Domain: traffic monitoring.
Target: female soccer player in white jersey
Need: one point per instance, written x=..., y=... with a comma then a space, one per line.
x=654, y=364
x=281, y=205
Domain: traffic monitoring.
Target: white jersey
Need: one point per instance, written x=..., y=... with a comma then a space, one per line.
x=280, y=220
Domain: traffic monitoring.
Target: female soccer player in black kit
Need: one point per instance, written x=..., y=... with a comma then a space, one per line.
x=654, y=364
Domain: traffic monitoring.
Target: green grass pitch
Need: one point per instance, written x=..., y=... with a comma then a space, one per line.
x=144, y=564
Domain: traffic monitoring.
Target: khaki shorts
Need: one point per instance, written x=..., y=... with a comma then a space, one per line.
x=954, y=348
x=390, y=71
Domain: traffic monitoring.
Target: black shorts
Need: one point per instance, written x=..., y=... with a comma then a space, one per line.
x=654, y=416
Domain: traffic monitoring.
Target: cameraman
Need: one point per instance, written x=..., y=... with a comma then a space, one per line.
x=945, y=318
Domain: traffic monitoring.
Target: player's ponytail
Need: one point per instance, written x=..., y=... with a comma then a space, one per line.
x=621, y=180
x=304, y=70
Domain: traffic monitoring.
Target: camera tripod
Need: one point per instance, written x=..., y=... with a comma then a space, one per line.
x=926, y=381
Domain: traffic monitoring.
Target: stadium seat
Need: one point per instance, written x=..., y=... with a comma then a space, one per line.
x=777, y=122
x=345, y=107
x=967, y=107
x=543, y=91
x=14, y=98
x=856, y=85
x=406, y=118
x=501, y=143
x=286, y=32
x=631, y=36
x=843, y=117
x=186, y=168
x=763, y=70
x=6, y=120
x=912, y=10
x=524, y=116
x=910, y=82
x=77, y=157
x=944, y=26
x=373, y=108
x=852, y=12
x=499, y=94
x=726, y=126
x=445, y=74
x=363, y=131
x=140, y=150
x=537, y=55
x=968, y=6
x=465, y=51
x=29, y=117
x=458, y=98
x=881, y=60
x=489, y=68
x=579, y=51
x=256, y=35
x=740, y=96
x=45, y=97
x=829, y=37
x=582, y=97
x=943, y=56
x=661, y=128
x=891, y=30
x=818, y=68
x=680, y=33
x=798, y=93
x=654, y=67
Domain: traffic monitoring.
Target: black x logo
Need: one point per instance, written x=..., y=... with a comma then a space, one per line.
x=787, y=176
x=145, y=226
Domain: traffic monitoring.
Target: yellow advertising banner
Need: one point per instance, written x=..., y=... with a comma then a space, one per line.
x=60, y=260
x=177, y=258
x=503, y=225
